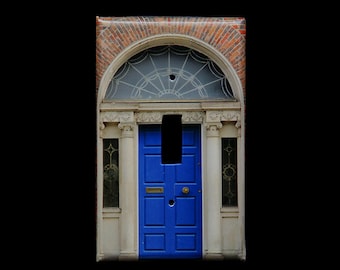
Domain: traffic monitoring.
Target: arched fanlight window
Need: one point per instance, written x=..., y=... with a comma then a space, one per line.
x=169, y=73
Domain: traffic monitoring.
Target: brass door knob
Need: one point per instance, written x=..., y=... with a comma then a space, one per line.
x=185, y=190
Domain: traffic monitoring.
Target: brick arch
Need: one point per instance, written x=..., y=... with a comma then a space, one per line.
x=225, y=35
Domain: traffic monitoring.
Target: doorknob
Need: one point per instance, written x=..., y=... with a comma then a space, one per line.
x=185, y=190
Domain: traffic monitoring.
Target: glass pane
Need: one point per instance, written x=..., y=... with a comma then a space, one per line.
x=111, y=173
x=229, y=172
x=169, y=73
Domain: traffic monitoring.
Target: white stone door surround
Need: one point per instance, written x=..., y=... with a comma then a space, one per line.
x=212, y=116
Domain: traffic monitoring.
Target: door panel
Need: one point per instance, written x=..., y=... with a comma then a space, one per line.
x=170, y=198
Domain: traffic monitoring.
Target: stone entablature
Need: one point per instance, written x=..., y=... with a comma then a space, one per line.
x=155, y=117
x=130, y=115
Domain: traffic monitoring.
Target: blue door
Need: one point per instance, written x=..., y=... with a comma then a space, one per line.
x=170, y=197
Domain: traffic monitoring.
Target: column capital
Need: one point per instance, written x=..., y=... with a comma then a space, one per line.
x=213, y=129
x=127, y=128
x=101, y=128
x=238, y=126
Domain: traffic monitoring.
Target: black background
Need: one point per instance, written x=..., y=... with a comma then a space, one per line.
x=49, y=143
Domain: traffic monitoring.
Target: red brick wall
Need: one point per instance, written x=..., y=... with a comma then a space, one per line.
x=227, y=35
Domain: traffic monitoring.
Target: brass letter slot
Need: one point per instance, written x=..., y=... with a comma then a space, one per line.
x=154, y=190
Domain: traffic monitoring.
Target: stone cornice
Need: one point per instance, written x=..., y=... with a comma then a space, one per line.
x=167, y=106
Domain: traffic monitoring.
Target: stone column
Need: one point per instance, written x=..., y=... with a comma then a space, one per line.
x=241, y=185
x=99, y=206
x=127, y=193
x=213, y=193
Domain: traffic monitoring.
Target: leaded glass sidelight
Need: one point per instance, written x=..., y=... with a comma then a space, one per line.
x=229, y=172
x=111, y=173
x=169, y=73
